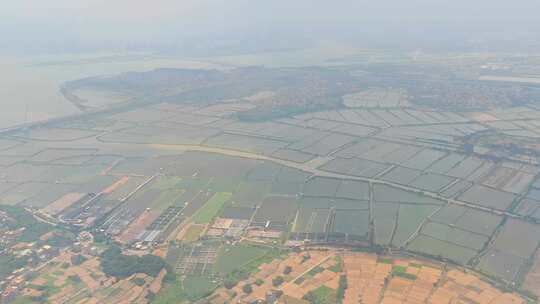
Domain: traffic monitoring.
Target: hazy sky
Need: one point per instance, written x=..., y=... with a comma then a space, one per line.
x=57, y=25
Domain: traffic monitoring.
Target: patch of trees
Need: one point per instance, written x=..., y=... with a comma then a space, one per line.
x=22, y=218
x=378, y=249
x=229, y=283
x=9, y=263
x=247, y=289
x=138, y=281
x=78, y=259
x=115, y=264
x=278, y=281
x=287, y=270
x=74, y=278
x=100, y=237
x=340, y=293
x=150, y=296
x=311, y=297
x=61, y=239
x=234, y=277
x=38, y=299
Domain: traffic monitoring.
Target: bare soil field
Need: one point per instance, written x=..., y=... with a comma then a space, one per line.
x=370, y=279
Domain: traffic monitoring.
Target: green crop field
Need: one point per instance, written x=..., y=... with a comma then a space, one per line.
x=322, y=295
x=193, y=233
x=232, y=257
x=211, y=208
x=186, y=291
x=167, y=198
x=164, y=183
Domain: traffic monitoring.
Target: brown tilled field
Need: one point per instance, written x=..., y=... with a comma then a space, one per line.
x=93, y=286
x=370, y=279
x=62, y=203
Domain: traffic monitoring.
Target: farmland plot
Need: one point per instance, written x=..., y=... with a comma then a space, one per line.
x=431, y=182
x=515, y=243
x=488, y=197
x=410, y=217
x=437, y=248
x=385, y=220
x=319, y=186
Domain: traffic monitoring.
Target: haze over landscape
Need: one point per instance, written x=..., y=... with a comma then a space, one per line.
x=34, y=32
x=174, y=26
x=269, y=151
